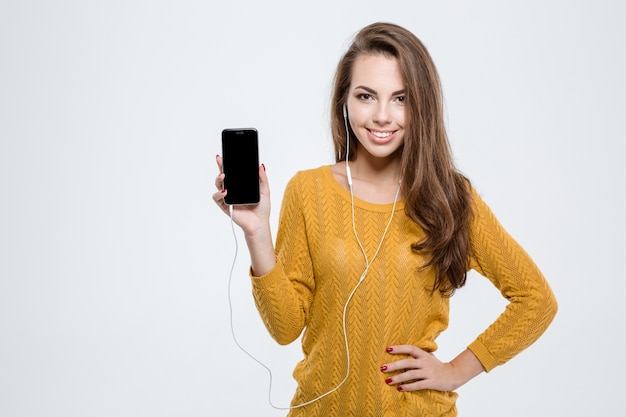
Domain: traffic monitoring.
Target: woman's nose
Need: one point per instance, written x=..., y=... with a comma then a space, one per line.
x=382, y=115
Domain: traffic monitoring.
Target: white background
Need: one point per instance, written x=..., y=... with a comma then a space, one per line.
x=114, y=260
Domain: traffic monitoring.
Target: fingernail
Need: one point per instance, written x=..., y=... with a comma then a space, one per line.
x=399, y=388
x=389, y=349
x=388, y=381
x=383, y=368
x=263, y=165
x=223, y=190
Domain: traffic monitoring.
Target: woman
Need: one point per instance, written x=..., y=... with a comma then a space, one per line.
x=370, y=249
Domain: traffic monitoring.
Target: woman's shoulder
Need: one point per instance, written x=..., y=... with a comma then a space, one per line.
x=317, y=171
x=312, y=174
x=313, y=183
x=305, y=185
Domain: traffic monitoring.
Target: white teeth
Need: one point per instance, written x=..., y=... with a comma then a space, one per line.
x=381, y=134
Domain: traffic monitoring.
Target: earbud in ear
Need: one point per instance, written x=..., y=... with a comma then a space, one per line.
x=345, y=122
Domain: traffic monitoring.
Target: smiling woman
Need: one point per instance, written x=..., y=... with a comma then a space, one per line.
x=372, y=258
x=436, y=193
x=375, y=106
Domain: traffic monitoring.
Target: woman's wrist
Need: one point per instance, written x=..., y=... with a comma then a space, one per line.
x=257, y=233
x=261, y=247
x=465, y=367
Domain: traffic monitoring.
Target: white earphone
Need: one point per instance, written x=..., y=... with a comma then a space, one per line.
x=345, y=121
x=368, y=263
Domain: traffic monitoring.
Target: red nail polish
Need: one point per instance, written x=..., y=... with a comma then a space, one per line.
x=223, y=190
x=263, y=165
x=399, y=388
x=388, y=381
x=383, y=368
x=389, y=349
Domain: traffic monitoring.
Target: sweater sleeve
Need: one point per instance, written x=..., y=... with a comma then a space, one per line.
x=532, y=305
x=284, y=294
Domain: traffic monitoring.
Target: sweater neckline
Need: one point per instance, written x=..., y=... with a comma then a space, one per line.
x=345, y=194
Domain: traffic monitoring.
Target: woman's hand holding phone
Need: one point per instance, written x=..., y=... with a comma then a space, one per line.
x=253, y=220
x=250, y=217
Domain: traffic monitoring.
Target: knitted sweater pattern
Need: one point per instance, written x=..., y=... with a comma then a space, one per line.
x=318, y=265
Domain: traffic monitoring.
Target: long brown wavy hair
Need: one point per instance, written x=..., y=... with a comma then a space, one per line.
x=437, y=196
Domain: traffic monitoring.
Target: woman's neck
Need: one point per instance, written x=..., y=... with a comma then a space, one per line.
x=375, y=170
x=375, y=183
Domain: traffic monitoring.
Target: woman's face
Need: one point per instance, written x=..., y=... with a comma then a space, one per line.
x=376, y=106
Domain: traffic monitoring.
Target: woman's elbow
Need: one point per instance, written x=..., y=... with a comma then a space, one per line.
x=548, y=306
x=284, y=338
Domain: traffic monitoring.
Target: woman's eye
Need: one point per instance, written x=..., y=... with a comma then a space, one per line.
x=364, y=97
x=401, y=99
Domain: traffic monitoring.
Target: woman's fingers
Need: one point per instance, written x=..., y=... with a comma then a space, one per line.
x=407, y=350
x=263, y=183
x=421, y=370
x=219, y=180
x=218, y=197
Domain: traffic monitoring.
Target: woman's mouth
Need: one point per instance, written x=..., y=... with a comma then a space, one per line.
x=380, y=136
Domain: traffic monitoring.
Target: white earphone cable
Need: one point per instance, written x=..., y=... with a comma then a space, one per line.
x=368, y=263
x=269, y=371
x=230, y=308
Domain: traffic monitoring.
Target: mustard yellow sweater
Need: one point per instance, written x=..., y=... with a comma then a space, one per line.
x=319, y=262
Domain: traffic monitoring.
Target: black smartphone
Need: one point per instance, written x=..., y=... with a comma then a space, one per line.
x=240, y=164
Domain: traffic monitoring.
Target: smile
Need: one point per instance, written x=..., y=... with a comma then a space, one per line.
x=380, y=136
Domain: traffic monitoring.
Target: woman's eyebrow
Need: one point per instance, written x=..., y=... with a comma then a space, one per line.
x=369, y=90
x=374, y=92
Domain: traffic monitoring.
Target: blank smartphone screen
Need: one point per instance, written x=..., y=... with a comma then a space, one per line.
x=240, y=159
